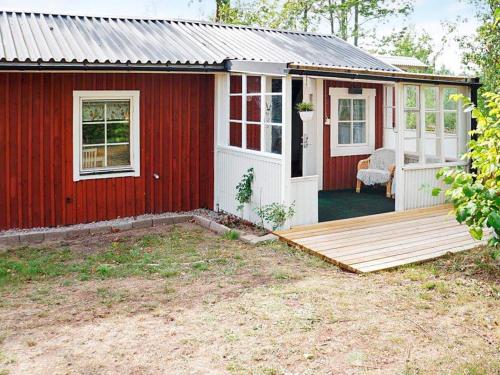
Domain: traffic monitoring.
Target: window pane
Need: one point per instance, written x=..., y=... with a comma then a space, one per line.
x=450, y=149
x=118, y=156
x=273, y=139
x=430, y=94
x=235, y=134
x=411, y=96
x=93, y=157
x=448, y=103
x=389, y=117
x=344, y=109
x=450, y=122
x=359, y=109
x=119, y=111
x=411, y=120
x=430, y=122
x=235, y=85
x=118, y=133
x=389, y=96
x=235, y=107
x=253, y=108
x=276, y=85
x=92, y=134
x=359, y=132
x=344, y=133
x=253, y=84
x=92, y=111
x=253, y=137
x=273, y=109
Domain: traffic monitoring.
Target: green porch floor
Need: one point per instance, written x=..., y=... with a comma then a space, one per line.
x=344, y=204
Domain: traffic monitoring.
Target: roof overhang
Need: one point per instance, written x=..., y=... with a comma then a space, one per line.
x=256, y=67
x=401, y=76
x=70, y=66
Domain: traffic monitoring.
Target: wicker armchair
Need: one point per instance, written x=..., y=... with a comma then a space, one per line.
x=377, y=169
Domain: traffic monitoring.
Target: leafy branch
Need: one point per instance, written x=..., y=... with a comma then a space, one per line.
x=475, y=195
x=244, y=189
x=276, y=214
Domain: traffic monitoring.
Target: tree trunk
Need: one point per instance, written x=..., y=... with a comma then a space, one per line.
x=343, y=21
x=304, y=19
x=332, y=20
x=356, y=24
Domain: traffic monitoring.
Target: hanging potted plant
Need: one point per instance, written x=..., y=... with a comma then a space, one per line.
x=305, y=111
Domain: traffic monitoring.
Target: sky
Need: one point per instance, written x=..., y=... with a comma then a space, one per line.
x=427, y=16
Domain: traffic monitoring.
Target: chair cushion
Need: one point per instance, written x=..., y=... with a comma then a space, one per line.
x=382, y=158
x=373, y=176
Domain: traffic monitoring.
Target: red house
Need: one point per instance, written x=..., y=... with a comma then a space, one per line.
x=106, y=117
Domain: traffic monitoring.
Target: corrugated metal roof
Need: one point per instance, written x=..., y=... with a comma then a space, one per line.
x=52, y=38
x=402, y=61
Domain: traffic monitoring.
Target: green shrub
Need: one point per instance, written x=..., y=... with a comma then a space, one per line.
x=475, y=195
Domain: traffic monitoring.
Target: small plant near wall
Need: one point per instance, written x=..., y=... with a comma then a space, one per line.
x=244, y=189
x=306, y=111
x=276, y=214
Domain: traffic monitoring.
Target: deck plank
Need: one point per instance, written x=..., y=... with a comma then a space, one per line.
x=383, y=241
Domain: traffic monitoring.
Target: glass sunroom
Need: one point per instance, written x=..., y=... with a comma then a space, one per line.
x=301, y=162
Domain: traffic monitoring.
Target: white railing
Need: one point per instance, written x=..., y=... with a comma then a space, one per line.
x=419, y=180
x=232, y=164
x=304, y=192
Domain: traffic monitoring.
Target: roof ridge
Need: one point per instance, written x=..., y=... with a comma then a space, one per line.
x=177, y=20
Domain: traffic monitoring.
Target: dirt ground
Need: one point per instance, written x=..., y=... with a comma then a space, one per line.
x=180, y=300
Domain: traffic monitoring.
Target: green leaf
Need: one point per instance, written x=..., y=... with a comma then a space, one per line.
x=468, y=192
x=462, y=214
x=436, y=192
x=476, y=233
x=448, y=180
x=493, y=220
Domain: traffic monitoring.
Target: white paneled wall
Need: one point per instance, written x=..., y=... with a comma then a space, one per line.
x=304, y=192
x=418, y=184
x=232, y=165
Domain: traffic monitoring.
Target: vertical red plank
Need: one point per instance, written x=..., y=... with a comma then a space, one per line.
x=187, y=133
x=35, y=120
x=176, y=142
x=169, y=144
x=208, y=128
x=156, y=145
x=4, y=191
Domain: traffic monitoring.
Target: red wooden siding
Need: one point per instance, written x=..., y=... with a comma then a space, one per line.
x=340, y=172
x=36, y=149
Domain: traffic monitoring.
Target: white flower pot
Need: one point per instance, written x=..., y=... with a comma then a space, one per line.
x=306, y=116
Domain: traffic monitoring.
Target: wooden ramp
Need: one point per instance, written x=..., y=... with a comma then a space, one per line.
x=377, y=242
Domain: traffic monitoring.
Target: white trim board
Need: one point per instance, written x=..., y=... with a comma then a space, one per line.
x=337, y=93
x=135, y=150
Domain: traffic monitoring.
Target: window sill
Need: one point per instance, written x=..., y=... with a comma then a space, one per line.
x=351, y=150
x=258, y=154
x=417, y=166
x=106, y=174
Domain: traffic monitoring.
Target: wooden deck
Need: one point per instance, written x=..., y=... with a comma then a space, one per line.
x=377, y=242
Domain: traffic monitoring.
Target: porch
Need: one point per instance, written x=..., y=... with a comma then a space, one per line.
x=378, y=242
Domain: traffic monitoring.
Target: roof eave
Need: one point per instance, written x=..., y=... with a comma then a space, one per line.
x=394, y=76
x=41, y=66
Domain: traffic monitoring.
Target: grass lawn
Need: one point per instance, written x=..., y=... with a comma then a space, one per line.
x=180, y=300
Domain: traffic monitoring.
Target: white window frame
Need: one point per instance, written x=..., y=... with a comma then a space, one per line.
x=264, y=126
x=420, y=135
x=337, y=149
x=389, y=107
x=108, y=172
